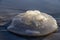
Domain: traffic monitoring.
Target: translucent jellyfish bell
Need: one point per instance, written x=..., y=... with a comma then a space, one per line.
x=33, y=23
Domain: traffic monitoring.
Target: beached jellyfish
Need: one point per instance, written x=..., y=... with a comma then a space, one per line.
x=33, y=23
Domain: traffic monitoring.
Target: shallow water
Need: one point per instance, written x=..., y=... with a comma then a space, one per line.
x=14, y=7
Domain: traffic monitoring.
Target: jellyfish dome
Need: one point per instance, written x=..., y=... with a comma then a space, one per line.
x=33, y=23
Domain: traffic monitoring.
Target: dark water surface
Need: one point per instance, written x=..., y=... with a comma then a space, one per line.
x=14, y=7
x=47, y=6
